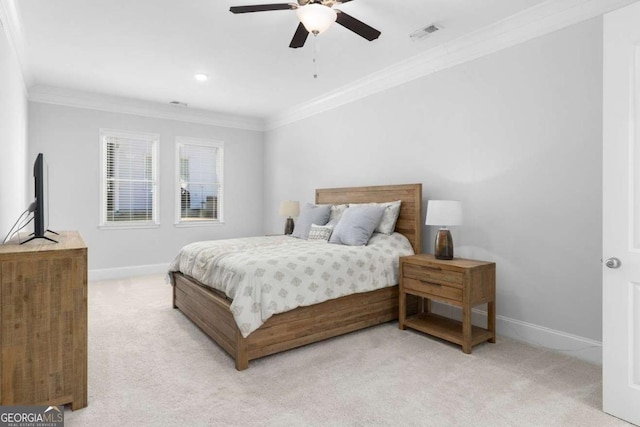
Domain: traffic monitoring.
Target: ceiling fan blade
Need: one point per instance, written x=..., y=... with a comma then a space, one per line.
x=262, y=7
x=358, y=27
x=299, y=37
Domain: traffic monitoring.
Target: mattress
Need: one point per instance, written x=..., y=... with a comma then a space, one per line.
x=274, y=274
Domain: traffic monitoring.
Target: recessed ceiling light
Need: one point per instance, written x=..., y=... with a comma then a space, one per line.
x=201, y=77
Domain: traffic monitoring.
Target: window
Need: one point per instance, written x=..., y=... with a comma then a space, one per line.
x=129, y=179
x=199, y=181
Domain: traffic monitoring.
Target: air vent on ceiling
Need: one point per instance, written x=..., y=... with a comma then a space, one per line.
x=424, y=32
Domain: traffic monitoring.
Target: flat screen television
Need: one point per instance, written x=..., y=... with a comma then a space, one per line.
x=40, y=206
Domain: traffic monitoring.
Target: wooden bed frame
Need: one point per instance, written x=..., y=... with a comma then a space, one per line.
x=209, y=309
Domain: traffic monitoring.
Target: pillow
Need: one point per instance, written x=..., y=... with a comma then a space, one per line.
x=389, y=218
x=310, y=214
x=320, y=233
x=336, y=213
x=356, y=225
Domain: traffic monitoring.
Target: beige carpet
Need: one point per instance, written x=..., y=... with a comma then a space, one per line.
x=150, y=366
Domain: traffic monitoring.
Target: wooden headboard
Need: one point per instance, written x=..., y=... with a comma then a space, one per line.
x=410, y=219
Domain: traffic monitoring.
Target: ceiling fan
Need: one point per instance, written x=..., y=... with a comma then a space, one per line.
x=315, y=16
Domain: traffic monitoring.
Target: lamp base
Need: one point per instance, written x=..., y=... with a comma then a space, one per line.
x=288, y=226
x=444, y=244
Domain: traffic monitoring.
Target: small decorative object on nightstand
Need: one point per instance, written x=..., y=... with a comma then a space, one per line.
x=444, y=213
x=289, y=209
x=460, y=282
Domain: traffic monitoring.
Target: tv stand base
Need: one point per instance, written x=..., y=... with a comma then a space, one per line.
x=41, y=237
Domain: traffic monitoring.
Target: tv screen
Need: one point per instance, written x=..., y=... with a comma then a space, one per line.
x=40, y=214
x=40, y=206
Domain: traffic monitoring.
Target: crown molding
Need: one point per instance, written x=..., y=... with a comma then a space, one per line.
x=547, y=17
x=115, y=104
x=11, y=24
x=10, y=21
x=539, y=20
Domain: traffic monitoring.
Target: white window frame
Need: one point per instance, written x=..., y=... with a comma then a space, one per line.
x=196, y=222
x=154, y=139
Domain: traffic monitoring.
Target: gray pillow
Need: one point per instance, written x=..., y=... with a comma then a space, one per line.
x=389, y=217
x=310, y=214
x=357, y=225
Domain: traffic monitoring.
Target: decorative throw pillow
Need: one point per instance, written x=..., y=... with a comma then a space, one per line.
x=389, y=217
x=357, y=225
x=336, y=213
x=310, y=214
x=320, y=232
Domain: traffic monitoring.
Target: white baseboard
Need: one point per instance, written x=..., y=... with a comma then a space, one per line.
x=535, y=335
x=122, y=272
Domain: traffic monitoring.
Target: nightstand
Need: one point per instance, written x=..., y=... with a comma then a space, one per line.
x=460, y=282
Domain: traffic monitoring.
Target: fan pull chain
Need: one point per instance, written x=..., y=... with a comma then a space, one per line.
x=315, y=55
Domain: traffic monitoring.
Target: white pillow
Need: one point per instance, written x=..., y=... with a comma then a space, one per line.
x=389, y=217
x=356, y=225
x=336, y=213
x=320, y=232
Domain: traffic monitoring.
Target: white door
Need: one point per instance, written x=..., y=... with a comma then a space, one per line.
x=621, y=214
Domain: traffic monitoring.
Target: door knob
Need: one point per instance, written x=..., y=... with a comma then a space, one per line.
x=613, y=262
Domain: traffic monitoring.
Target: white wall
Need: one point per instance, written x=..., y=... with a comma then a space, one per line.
x=13, y=138
x=69, y=138
x=516, y=136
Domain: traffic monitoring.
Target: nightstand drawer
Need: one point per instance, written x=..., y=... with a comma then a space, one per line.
x=435, y=289
x=433, y=274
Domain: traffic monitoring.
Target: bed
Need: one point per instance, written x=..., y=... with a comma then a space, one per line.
x=210, y=309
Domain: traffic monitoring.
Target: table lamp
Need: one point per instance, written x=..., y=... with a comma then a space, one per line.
x=444, y=213
x=289, y=209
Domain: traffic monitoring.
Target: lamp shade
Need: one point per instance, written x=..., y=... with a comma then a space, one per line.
x=444, y=212
x=316, y=18
x=289, y=208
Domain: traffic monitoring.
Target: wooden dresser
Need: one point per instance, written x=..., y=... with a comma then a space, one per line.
x=43, y=322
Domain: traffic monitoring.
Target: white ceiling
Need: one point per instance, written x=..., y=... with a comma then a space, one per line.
x=150, y=49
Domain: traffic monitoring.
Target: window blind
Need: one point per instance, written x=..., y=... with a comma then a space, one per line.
x=129, y=180
x=200, y=181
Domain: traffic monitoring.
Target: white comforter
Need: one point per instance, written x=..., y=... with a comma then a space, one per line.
x=269, y=275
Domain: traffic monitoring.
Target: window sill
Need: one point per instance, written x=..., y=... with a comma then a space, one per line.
x=127, y=226
x=187, y=224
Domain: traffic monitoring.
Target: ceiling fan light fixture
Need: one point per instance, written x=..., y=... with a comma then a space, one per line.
x=316, y=18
